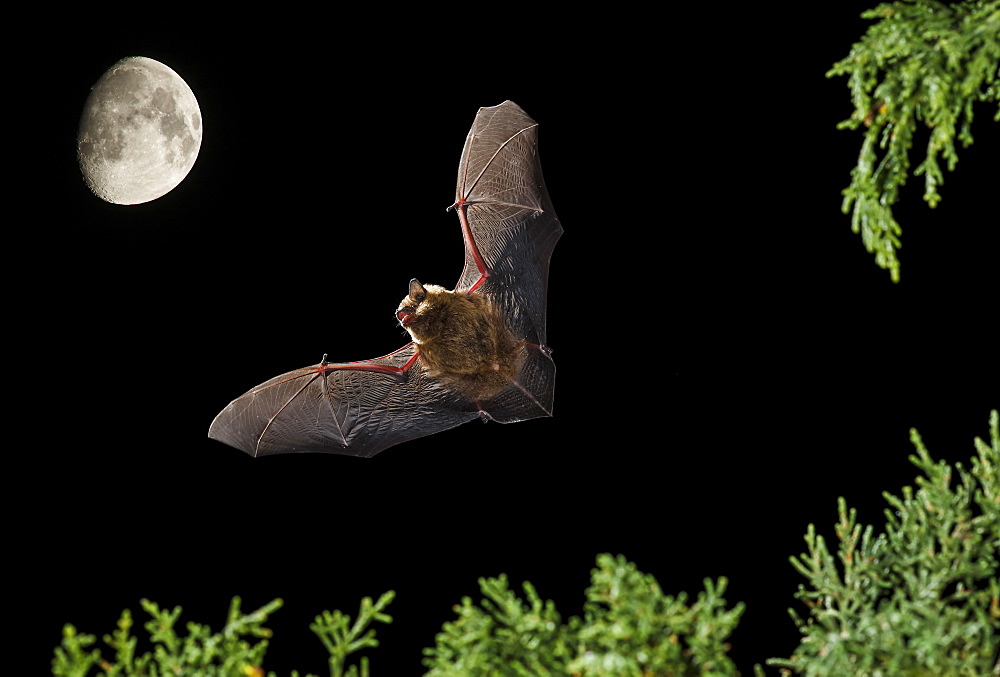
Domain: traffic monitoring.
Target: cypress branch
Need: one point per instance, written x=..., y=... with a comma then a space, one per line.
x=922, y=62
x=923, y=598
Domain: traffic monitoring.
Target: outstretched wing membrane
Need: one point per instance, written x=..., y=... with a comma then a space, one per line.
x=509, y=224
x=355, y=408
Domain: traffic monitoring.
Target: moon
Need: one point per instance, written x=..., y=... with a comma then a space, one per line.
x=140, y=132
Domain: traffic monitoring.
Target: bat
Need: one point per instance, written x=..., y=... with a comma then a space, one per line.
x=477, y=352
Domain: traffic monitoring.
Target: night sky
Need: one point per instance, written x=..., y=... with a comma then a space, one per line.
x=730, y=359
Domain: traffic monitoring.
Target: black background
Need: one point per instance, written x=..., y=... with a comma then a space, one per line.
x=730, y=358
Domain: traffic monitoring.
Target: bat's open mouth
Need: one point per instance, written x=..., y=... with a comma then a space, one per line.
x=406, y=316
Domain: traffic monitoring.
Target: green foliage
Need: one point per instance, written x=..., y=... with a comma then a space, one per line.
x=203, y=654
x=924, y=61
x=923, y=598
x=630, y=628
x=341, y=637
x=505, y=636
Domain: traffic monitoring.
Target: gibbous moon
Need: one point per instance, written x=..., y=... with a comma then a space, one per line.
x=140, y=132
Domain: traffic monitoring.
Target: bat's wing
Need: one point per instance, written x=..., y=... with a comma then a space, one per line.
x=509, y=224
x=354, y=408
x=510, y=229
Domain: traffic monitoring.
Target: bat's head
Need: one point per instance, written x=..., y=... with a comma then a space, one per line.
x=406, y=313
x=416, y=312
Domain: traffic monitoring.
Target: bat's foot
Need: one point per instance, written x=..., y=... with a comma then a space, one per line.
x=544, y=350
x=484, y=415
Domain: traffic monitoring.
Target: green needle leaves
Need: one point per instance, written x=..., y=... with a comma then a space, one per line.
x=923, y=598
x=923, y=62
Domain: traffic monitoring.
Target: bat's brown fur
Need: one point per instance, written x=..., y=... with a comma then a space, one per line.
x=462, y=338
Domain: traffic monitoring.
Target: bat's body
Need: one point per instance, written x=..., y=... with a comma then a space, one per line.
x=477, y=352
x=463, y=340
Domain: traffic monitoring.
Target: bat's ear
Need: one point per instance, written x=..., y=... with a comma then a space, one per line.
x=417, y=291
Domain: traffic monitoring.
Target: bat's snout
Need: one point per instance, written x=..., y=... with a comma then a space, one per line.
x=406, y=315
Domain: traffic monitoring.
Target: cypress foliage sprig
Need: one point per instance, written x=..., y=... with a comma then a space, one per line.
x=922, y=598
x=503, y=636
x=202, y=653
x=629, y=629
x=199, y=653
x=923, y=62
x=342, y=638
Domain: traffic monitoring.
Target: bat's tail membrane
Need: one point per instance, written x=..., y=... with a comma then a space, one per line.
x=530, y=395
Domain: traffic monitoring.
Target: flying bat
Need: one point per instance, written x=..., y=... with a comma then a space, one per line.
x=477, y=352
